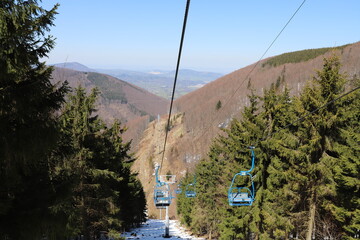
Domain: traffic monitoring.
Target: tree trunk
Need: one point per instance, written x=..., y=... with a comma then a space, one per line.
x=311, y=222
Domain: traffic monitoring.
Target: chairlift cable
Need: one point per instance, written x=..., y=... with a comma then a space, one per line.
x=253, y=68
x=175, y=80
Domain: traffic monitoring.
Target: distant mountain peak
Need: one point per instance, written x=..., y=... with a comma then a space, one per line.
x=74, y=66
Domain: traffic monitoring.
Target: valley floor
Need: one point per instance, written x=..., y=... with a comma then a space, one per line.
x=154, y=229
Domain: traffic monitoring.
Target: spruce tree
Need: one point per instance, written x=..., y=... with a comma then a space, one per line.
x=345, y=208
x=185, y=204
x=106, y=195
x=328, y=155
x=28, y=128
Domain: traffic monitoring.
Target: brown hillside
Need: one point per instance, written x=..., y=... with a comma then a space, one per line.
x=202, y=120
x=150, y=154
x=197, y=121
x=132, y=105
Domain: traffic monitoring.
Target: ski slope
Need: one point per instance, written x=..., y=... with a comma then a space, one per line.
x=154, y=229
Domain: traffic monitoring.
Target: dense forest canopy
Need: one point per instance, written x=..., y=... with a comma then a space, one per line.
x=306, y=172
x=299, y=56
x=63, y=172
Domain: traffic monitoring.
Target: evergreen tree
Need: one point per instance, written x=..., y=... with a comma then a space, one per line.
x=59, y=177
x=275, y=161
x=306, y=174
x=345, y=208
x=330, y=153
x=28, y=128
x=106, y=195
x=218, y=105
x=184, y=204
x=240, y=224
x=210, y=198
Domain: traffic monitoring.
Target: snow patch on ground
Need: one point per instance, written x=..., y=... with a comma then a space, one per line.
x=155, y=229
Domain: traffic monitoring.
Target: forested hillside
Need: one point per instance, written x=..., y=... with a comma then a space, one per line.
x=306, y=172
x=64, y=174
x=118, y=100
x=200, y=116
x=203, y=119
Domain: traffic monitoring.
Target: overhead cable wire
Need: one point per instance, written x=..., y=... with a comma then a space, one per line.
x=253, y=68
x=167, y=127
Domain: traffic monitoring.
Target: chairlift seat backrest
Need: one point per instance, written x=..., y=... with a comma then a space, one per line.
x=190, y=194
x=162, y=195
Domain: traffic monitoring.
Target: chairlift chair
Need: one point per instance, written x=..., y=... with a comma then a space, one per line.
x=190, y=190
x=162, y=196
x=178, y=190
x=243, y=195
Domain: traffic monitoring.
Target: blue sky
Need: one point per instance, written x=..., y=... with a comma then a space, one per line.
x=221, y=35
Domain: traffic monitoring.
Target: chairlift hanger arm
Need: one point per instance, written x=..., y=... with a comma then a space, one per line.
x=252, y=161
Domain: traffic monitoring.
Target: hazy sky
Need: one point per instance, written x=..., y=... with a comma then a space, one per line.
x=221, y=35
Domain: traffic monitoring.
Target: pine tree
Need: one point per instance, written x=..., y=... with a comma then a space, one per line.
x=185, y=204
x=265, y=219
x=277, y=150
x=106, y=195
x=28, y=128
x=345, y=208
x=326, y=152
x=218, y=105
x=210, y=198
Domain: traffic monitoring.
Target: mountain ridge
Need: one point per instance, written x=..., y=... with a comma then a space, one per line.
x=118, y=99
x=158, y=82
x=73, y=66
